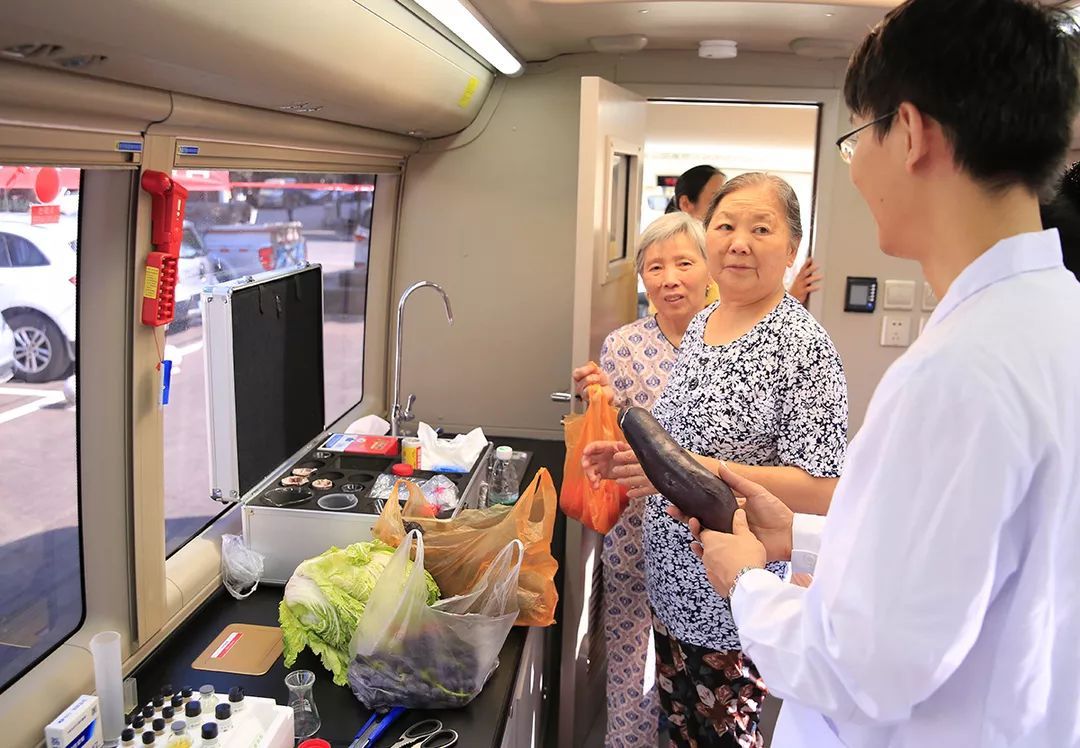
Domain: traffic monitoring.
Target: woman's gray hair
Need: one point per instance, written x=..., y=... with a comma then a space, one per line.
x=785, y=194
x=668, y=227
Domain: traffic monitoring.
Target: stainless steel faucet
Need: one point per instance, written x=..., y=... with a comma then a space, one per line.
x=399, y=415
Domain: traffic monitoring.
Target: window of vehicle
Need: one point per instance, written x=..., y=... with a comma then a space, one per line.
x=41, y=577
x=22, y=253
x=241, y=223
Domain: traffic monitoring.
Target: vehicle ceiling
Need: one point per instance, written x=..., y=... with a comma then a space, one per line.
x=540, y=29
x=270, y=53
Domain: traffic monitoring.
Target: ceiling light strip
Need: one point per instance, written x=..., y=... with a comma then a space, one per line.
x=462, y=22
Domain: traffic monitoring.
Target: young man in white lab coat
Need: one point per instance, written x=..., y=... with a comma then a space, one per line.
x=945, y=604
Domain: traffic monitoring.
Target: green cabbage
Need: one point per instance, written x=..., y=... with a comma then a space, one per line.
x=325, y=598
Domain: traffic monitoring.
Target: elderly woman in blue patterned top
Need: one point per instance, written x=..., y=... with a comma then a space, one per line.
x=635, y=362
x=758, y=384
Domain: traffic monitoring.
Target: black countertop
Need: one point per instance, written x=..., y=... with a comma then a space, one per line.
x=479, y=724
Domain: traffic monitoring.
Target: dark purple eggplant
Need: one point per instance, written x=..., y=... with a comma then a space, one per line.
x=674, y=473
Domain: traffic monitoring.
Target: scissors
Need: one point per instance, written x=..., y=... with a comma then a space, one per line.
x=375, y=727
x=427, y=734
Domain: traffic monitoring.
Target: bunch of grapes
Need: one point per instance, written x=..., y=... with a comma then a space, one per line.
x=431, y=669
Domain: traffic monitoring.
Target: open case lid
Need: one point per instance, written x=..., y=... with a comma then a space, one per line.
x=264, y=344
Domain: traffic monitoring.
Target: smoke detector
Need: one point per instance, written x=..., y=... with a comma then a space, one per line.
x=79, y=62
x=823, y=49
x=718, y=49
x=624, y=44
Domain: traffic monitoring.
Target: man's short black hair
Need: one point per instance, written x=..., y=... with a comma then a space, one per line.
x=1000, y=76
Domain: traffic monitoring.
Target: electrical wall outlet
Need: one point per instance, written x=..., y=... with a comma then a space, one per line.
x=896, y=331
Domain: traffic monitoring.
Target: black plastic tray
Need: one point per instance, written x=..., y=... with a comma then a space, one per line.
x=351, y=474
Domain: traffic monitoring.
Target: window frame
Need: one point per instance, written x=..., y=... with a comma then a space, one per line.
x=611, y=267
x=333, y=417
x=34, y=251
x=830, y=104
x=79, y=530
x=129, y=585
x=103, y=495
x=194, y=567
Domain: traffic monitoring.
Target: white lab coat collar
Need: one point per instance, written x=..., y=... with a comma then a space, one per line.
x=1023, y=253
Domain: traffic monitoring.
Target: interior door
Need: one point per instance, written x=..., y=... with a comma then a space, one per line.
x=611, y=148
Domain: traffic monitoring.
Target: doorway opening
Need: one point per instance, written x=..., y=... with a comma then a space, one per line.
x=736, y=138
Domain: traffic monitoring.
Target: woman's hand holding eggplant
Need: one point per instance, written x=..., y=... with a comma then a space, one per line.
x=629, y=474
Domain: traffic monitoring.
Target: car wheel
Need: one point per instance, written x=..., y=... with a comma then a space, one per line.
x=40, y=350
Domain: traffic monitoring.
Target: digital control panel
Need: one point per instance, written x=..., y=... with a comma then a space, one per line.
x=861, y=295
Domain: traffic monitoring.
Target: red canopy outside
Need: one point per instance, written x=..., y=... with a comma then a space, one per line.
x=23, y=178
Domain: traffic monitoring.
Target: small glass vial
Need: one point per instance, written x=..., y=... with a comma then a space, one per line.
x=179, y=737
x=149, y=738
x=159, y=702
x=127, y=737
x=185, y=694
x=207, y=699
x=210, y=735
x=168, y=714
x=223, y=715
x=167, y=691
x=159, y=729
x=193, y=715
x=148, y=712
x=236, y=700
x=138, y=723
x=177, y=703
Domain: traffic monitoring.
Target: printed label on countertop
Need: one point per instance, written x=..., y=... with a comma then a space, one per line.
x=229, y=643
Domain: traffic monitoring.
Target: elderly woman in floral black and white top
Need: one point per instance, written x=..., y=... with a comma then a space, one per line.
x=759, y=385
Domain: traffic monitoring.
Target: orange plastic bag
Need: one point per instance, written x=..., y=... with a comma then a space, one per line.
x=596, y=508
x=458, y=551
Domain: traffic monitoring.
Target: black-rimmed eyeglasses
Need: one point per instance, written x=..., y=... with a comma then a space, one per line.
x=847, y=142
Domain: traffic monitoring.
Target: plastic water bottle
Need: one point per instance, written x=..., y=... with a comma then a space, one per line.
x=504, y=481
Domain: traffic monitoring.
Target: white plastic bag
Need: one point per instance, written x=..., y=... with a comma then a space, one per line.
x=449, y=455
x=405, y=653
x=441, y=492
x=241, y=567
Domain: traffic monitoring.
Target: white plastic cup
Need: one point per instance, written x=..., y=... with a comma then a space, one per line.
x=337, y=502
x=109, y=683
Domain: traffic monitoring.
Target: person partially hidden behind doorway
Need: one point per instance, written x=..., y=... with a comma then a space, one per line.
x=1062, y=212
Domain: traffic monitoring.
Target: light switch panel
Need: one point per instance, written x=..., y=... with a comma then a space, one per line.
x=899, y=294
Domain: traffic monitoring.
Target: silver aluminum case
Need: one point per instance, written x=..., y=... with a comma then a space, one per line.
x=287, y=536
x=220, y=382
x=284, y=536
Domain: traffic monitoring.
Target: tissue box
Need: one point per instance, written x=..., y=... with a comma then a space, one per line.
x=78, y=726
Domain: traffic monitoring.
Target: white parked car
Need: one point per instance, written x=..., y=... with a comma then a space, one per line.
x=69, y=203
x=37, y=298
x=7, y=352
x=194, y=270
